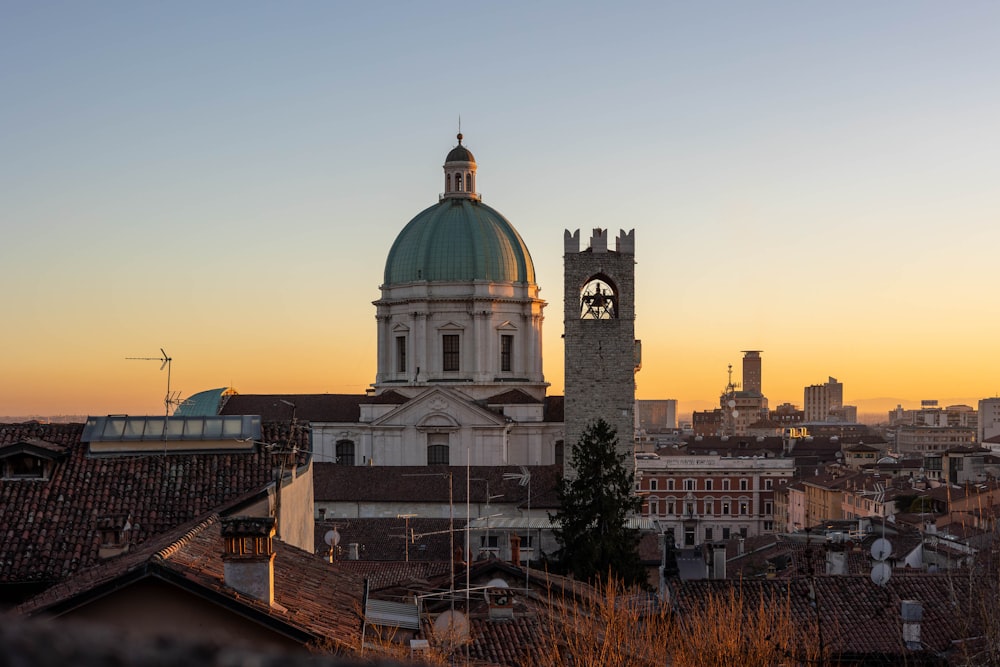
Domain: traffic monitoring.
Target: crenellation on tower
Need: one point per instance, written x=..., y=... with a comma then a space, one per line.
x=625, y=243
x=571, y=241
x=599, y=240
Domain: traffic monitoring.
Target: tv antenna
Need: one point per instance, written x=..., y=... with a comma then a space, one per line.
x=169, y=399
x=523, y=479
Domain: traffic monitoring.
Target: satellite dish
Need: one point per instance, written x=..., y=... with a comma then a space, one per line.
x=332, y=538
x=881, y=548
x=881, y=573
x=452, y=625
x=736, y=413
x=731, y=404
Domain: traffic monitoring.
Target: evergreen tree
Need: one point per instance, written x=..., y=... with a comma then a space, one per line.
x=594, y=539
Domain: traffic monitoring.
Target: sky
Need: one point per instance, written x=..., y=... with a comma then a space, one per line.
x=223, y=181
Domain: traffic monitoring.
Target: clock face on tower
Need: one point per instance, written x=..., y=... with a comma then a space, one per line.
x=598, y=301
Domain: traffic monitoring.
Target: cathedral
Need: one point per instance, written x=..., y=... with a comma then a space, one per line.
x=459, y=327
x=459, y=346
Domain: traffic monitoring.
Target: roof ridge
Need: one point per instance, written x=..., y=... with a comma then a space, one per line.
x=167, y=552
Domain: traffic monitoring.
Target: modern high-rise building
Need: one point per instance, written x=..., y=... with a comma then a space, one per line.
x=656, y=415
x=751, y=371
x=989, y=419
x=821, y=399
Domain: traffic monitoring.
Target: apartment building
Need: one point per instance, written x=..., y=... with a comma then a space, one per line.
x=703, y=498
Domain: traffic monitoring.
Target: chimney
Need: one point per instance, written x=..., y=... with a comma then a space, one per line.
x=718, y=561
x=912, y=612
x=836, y=562
x=515, y=549
x=248, y=559
x=353, y=551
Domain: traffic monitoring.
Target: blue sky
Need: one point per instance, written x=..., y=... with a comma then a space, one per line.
x=815, y=180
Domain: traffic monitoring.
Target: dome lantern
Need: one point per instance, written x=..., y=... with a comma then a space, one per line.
x=460, y=173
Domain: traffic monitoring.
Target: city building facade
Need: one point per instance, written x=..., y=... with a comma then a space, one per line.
x=988, y=422
x=820, y=399
x=705, y=498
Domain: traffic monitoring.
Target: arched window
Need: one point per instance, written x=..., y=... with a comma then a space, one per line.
x=559, y=453
x=458, y=182
x=438, y=455
x=598, y=300
x=345, y=453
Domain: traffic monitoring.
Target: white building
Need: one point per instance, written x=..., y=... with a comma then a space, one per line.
x=459, y=329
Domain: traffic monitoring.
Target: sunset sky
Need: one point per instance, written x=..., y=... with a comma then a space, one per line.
x=224, y=179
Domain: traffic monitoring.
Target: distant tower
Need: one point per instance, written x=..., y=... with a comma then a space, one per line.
x=751, y=371
x=602, y=354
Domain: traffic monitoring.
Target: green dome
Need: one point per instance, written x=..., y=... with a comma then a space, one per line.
x=459, y=239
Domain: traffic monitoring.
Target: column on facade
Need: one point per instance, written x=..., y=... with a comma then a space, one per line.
x=418, y=325
x=481, y=343
x=383, y=346
x=533, y=362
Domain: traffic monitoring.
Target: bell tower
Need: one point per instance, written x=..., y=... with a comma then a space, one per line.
x=602, y=355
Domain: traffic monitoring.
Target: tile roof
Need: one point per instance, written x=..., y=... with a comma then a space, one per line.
x=510, y=641
x=858, y=618
x=401, y=484
x=49, y=450
x=315, y=600
x=306, y=407
x=737, y=445
x=48, y=528
x=801, y=554
x=511, y=397
x=383, y=539
x=346, y=408
x=391, y=574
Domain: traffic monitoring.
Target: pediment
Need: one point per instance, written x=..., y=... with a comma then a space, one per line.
x=507, y=326
x=440, y=408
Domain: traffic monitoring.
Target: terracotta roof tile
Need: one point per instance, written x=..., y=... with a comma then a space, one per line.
x=390, y=574
x=48, y=529
x=338, y=483
x=314, y=596
x=383, y=539
x=307, y=407
x=511, y=397
x=858, y=617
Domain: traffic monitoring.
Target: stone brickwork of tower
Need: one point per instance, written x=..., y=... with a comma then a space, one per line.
x=601, y=352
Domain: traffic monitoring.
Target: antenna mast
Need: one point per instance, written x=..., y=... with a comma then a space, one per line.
x=169, y=399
